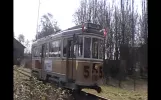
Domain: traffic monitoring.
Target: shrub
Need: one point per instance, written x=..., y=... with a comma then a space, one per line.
x=25, y=89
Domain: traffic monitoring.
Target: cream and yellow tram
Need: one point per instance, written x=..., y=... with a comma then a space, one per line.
x=73, y=57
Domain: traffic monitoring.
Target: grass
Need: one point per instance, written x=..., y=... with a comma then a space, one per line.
x=125, y=93
x=36, y=90
x=109, y=92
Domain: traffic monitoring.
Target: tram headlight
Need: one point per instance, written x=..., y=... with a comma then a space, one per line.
x=96, y=66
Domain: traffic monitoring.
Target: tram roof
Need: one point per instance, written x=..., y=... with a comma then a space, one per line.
x=89, y=28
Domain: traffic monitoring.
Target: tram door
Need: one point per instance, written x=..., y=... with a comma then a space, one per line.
x=70, y=60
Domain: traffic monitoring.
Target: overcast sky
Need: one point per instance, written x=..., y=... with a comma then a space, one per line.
x=26, y=13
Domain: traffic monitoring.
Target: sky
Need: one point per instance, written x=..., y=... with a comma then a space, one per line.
x=26, y=14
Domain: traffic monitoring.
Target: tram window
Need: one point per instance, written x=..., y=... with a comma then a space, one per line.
x=95, y=48
x=64, y=47
x=54, y=49
x=87, y=45
x=75, y=49
x=80, y=46
x=33, y=52
x=59, y=48
x=47, y=48
x=39, y=51
x=100, y=49
x=70, y=48
x=72, y=51
x=69, y=41
x=36, y=52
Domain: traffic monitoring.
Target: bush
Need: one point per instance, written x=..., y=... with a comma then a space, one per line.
x=25, y=89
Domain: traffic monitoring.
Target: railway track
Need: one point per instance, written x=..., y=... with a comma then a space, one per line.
x=77, y=96
x=23, y=72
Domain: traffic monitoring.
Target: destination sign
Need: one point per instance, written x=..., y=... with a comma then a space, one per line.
x=93, y=26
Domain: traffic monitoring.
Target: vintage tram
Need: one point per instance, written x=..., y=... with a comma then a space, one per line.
x=73, y=58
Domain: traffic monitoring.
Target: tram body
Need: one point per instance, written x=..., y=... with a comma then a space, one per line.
x=73, y=58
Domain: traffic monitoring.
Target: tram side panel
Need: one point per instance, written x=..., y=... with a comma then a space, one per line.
x=53, y=68
x=59, y=69
x=71, y=73
x=63, y=67
x=83, y=73
x=56, y=66
x=86, y=75
x=72, y=69
x=36, y=67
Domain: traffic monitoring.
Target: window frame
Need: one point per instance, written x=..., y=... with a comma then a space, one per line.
x=68, y=38
x=99, y=38
x=63, y=47
x=82, y=57
x=90, y=46
x=36, y=49
x=47, y=50
x=77, y=52
x=99, y=49
x=60, y=50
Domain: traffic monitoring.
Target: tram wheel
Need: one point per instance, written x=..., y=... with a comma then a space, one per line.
x=78, y=91
x=98, y=89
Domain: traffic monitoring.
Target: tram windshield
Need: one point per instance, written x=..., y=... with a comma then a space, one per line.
x=93, y=48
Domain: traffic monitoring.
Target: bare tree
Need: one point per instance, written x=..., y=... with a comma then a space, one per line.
x=143, y=37
x=21, y=38
x=27, y=45
x=47, y=27
x=124, y=29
